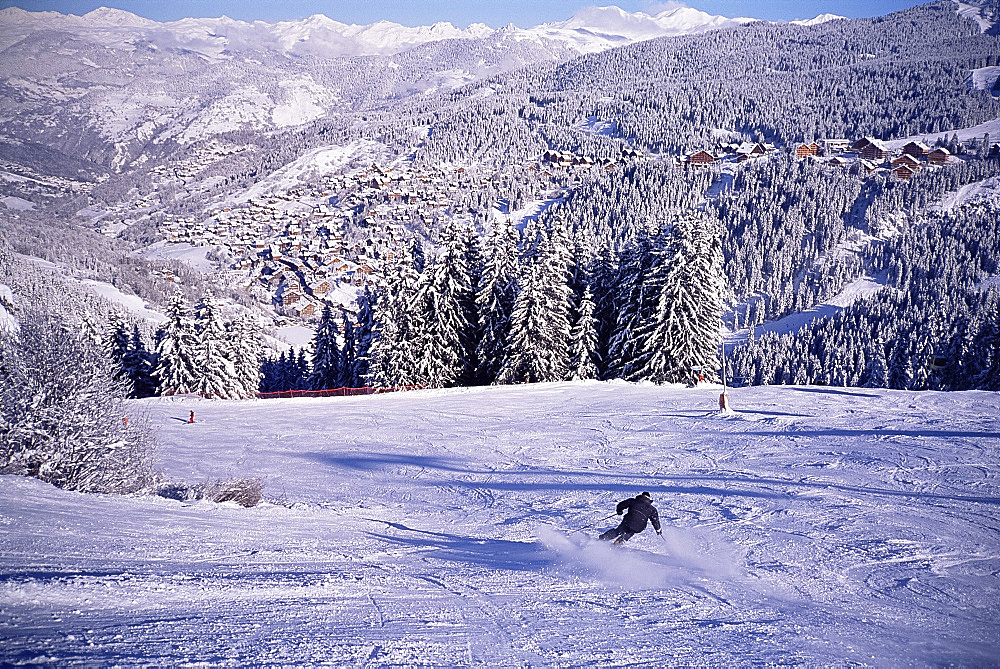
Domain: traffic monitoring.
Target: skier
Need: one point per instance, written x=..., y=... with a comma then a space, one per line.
x=640, y=510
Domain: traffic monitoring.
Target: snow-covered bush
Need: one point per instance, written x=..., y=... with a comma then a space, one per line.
x=62, y=411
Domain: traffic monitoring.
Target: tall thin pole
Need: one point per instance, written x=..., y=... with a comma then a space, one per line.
x=723, y=365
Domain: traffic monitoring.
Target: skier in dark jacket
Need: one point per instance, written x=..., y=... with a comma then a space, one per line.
x=640, y=510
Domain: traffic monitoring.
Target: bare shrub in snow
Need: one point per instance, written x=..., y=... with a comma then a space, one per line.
x=63, y=412
x=246, y=492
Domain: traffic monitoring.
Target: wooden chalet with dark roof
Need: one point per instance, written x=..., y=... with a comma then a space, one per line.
x=701, y=158
x=908, y=160
x=874, y=150
x=916, y=149
x=860, y=144
x=804, y=150
x=938, y=156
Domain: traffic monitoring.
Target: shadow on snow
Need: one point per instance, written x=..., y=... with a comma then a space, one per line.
x=534, y=479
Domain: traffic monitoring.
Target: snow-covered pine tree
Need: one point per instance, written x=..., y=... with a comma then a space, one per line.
x=138, y=365
x=632, y=305
x=584, y=356
x=685, y=329
x=363, y=338
x=176, y=351
x=299, y=371
x=393, y=355
x=447, y=336
x=539, y=342
x=116, y=345
x=247, y=353
x=349, y=353
x=495, y=298
x=215, y=370
x=327, y=359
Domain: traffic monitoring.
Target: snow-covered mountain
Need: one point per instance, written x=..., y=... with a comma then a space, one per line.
x=594, y=29
x=109, y=87
x=815, y=21
x=590, y=29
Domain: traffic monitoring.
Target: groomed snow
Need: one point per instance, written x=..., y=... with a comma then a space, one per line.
x=991, y=128
x=817, y=526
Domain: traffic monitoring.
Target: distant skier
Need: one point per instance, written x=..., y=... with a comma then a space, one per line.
x=640, y=510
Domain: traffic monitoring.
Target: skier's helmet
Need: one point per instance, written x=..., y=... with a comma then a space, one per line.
x=647, y=496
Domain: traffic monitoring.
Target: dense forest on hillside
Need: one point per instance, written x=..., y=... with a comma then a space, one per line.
x=893, y=76
x=632, y=266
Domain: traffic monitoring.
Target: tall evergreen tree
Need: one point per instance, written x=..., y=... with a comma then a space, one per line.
x=176, y=351
x=247, y=352
x=327, y=357
x=495, y=298
x=215, y=370
x=363, y=337
x=539, y=342
x=684, y=331
x=584, y=356
x=349, y=353
x=397, y=317
x=138, y=365
x=447, y=336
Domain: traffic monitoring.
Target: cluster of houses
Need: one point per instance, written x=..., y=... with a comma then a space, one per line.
x=320, y=243
x=738, y=152
x=874, y=155
x=570, y=159
x=197, y=160
x=287, y=251
x=870, y=153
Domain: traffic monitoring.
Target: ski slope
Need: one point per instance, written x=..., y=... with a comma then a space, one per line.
x=816, y=526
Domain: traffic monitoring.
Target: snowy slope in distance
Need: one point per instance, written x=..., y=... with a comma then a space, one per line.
x=816, y=526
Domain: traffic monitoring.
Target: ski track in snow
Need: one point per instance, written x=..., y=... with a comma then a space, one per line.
x=816, y=526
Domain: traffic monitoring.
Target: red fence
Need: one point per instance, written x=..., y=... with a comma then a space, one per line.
x=335, y=392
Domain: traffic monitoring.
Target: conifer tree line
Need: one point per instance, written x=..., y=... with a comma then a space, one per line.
x=935, y=326
x=201, y=352
x=541, y=306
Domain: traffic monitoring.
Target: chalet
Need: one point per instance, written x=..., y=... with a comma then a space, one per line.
x=837, y=161
x=904, y=172
x=874, y=150
x=938, y=156
x=700, y=158
x=916, y=149
x=860, y=144
x=867, y=166
x=307, y=310
x=803, y=150
x=751, y=149
x=835, y=146
x=908, y=160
